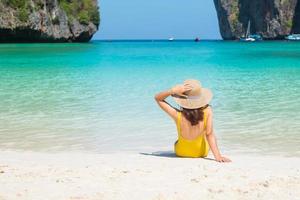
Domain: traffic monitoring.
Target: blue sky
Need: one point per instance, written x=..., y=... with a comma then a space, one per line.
x=157, y=19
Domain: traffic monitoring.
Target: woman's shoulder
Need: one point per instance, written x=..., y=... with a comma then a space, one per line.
x=208, y=110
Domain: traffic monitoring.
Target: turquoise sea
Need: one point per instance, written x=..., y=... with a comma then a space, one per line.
x=98, y=97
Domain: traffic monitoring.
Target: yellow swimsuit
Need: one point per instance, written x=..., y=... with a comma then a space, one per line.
x=195, y=148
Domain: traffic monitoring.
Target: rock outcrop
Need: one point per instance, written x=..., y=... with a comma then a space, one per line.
x=48, y=20
x=273, y=19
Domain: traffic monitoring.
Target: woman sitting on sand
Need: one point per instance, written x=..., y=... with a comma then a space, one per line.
x=193, y=120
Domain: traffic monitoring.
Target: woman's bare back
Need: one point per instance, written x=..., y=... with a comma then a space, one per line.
x=190, y=132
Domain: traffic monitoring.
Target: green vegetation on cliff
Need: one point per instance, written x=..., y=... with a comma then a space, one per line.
x=48, y=20
x=234, y=14
x=288, y=24
x=287, y=17
x=22, y=8
x=83, y=10
x=17, y=4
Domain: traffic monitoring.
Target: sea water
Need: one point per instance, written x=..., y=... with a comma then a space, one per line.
x=98, y=96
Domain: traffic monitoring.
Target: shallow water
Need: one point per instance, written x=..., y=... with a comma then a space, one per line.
x=99, y=96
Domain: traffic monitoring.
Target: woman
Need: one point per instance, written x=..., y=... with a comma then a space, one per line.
x=193, y=120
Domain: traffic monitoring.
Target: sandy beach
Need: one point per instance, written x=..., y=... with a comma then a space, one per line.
x=74, y=176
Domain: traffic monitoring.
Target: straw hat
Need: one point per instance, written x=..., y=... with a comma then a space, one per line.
x=197, y=97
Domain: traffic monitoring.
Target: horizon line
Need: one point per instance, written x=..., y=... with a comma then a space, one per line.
x=155, y=40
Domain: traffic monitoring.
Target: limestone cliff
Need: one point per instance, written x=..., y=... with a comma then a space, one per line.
x=273, y=19
x=48, y=20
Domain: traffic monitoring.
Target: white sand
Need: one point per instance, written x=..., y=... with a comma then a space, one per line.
x=76, y=176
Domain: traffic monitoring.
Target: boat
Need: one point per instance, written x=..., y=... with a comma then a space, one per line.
x=247, y=39
x=171, y=39
x=250, y=37
x=293, y=37
x=197, y=39
x=257, y=37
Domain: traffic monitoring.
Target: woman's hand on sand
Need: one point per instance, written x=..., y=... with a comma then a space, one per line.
x=223, y=159
x=181, y=89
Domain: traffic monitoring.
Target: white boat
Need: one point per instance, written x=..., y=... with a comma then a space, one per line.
x=293, y=37
x=171, y=39
x=250, y=37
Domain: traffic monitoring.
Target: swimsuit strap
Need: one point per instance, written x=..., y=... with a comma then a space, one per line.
x=204, y=119
x=178, y=122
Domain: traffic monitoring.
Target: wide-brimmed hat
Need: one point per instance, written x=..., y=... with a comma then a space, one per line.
x=197, y=97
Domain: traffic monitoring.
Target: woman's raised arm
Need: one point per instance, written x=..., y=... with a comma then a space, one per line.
x=165, y=106
x=160, y=98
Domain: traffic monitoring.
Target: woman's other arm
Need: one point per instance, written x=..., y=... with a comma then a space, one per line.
x=211, y=138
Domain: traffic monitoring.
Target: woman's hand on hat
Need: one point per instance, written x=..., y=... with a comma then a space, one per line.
x=181, y=89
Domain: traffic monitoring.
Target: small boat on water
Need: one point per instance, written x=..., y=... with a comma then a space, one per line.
x=247, y=39
x=293, y=37
x=197, y=39
x=257, y=37
x=171, y=39
x=250, y=37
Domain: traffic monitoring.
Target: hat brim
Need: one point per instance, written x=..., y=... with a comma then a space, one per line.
x=203, y=99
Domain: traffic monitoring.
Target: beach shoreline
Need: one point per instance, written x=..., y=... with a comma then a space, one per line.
x=34, y=175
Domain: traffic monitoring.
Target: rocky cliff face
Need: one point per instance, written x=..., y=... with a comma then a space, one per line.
x=48, y=20
x=273, y=19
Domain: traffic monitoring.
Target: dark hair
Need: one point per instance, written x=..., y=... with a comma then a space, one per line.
x=194, y=115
